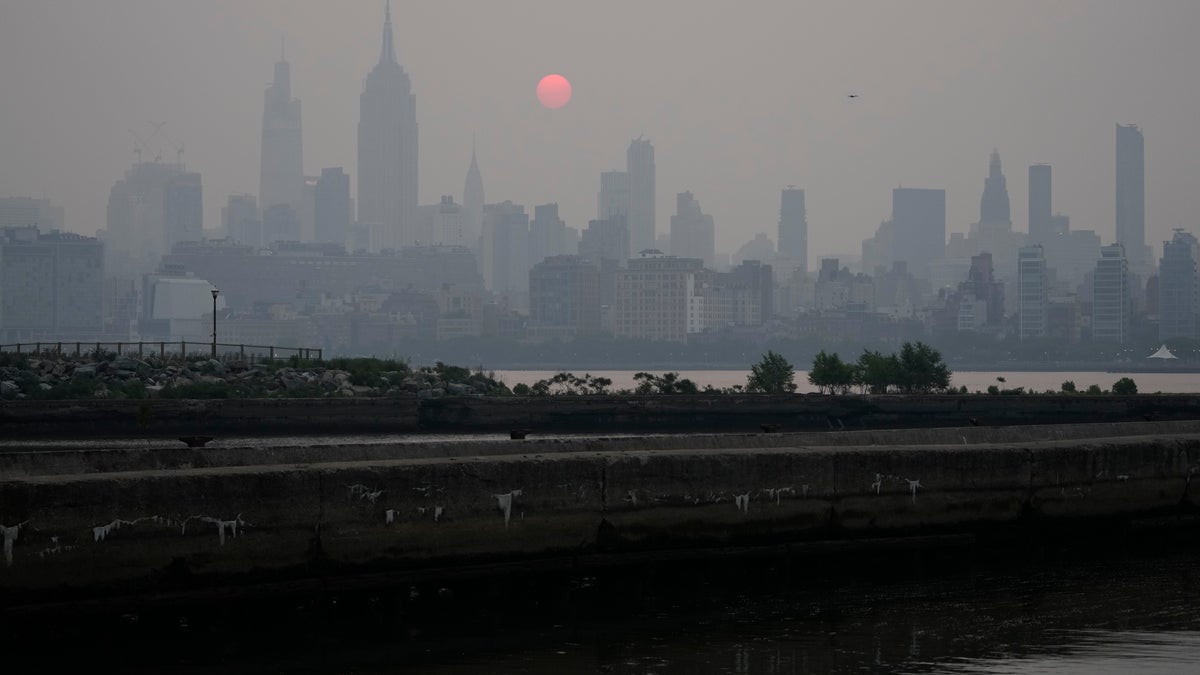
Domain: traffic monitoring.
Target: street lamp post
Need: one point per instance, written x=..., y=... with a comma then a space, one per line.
x=215, y=293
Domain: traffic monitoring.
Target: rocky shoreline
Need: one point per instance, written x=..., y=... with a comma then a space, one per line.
x=111, y=376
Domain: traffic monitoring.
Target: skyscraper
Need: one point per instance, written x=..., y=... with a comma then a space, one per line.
x=387, y=150
x=639, y=164
x=1041, y=223
x=1031, y=292
x=1179, y=287
x=693, y=233
x=183, y=210
x=281, y=180
x=473, y=203
x=332, y=209
x=1131, y=193
x=793, y=226
x=1111, y=299
x=993, y=205
x=919, y=228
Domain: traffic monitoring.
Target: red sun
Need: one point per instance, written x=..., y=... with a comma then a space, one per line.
x=554, y=91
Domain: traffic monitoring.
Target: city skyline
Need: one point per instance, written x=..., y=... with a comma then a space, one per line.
x=844, y=154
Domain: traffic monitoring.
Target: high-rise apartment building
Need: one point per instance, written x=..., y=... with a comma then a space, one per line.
x=656, y=298
x=1031, y=292
x=918, y=228
x=387, y=151
x=1111, y=299
x=693, y=232
x=613, y=198
x=1041, y=225
x=1179, y=287
x=793, y=227
x=332, y=215
x=639, y=164
x=564, y=297
x=1131, y=193
x=281, y=180
x=26, y=211
x=51, y=284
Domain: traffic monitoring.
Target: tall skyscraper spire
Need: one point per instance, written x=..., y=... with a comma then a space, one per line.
x=994, y=206
x=473, y=200
x=282, y=178
x=388, y=53
x=387, y=152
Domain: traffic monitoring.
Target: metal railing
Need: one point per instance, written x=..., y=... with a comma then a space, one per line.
x=164, y=350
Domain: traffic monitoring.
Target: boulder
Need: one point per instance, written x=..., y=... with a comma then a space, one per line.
x=84, y=371
x=9, y=389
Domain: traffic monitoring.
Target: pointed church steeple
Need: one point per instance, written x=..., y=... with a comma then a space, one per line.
x=388, y=53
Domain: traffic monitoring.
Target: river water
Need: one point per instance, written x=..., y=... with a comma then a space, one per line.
x=1080, y=618
x=1147, y=383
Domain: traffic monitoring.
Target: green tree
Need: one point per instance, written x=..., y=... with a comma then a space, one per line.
x=1068, y=387
x=1124, y=386
x=772, y=375
x=1094, y=390
x=667, y=383
x=876, y=372
x=922, y=369
x=830, y=374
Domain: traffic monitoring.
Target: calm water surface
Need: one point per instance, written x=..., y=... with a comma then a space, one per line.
x=1167, y=383
x=1101, y=618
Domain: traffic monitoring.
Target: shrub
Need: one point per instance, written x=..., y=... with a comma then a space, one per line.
x=772, y=375
x=1068, y=387
x=1124, y=387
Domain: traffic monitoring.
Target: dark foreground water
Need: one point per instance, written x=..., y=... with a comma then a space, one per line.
x=952, y=611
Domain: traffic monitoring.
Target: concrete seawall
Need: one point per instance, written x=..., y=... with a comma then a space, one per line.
x=569, y=414
x=70, y=535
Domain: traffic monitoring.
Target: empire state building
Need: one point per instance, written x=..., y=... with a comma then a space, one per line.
x=387, y=151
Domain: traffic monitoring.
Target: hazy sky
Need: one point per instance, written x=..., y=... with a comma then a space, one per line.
x=739, y=99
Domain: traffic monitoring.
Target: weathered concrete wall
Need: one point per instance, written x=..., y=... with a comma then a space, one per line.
x=159, y=529
x=569, y=414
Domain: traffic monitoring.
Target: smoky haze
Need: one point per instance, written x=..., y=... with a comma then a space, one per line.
x=738, y=100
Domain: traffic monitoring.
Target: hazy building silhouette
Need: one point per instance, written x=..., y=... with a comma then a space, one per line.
x=1111, y=298
x=1131, y=193
x=1179, y=287
x=919, y=228
x=1031, y=292
x=549, y=236
x=606, y=240
x=332, y=215
x=281, y=180
x=1041, y=225
x=280, y=223
x=639, y=164
x=793, y=227
x=26, y=211
x=136, y=233
x=387, y=150
x=613, y=200
x=242, y=221
x=183, y=209
x=693, y=232
x=473, y=201
x=564, y=298
x=994, y=205
x=505, y=251
x=51, y=284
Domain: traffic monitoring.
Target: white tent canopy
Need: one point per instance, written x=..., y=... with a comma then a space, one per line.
x=1162, y=353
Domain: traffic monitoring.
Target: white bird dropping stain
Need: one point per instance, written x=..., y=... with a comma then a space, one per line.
x=742, y=502
x=504, y=502
x=437, y=513
x=389, y=516
x=912, y=486
x=10, y=535
x=878, y=483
